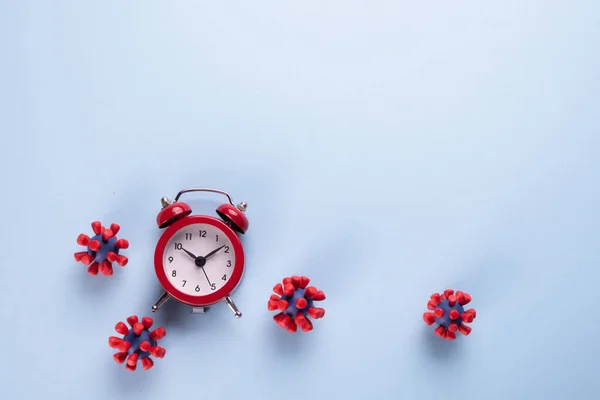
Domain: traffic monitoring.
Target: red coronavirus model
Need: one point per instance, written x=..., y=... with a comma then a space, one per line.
x=449, y=313
x=295, y=299
x=138, y=343
x=102, y=249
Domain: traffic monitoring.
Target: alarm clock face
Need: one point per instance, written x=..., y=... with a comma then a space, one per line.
x=199, y=260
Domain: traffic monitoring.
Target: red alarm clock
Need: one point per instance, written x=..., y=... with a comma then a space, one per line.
x=199, y=259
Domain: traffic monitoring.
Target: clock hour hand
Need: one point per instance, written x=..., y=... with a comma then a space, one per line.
x=212, y=253
x=189, y=253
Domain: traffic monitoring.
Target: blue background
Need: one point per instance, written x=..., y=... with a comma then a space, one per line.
x=386, y=149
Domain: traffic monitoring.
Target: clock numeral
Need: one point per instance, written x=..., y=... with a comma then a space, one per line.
x=174, y=273
x=183, y=283
x=226, y=249
x=224, y=277
x=229, y=263
x=201, y=233
x=213, y=286
x=217, y=238
x=170, y=260
x=188, y=236
x=178, y=246
x=197, y=288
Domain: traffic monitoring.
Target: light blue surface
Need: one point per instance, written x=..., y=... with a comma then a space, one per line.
x=386, y=149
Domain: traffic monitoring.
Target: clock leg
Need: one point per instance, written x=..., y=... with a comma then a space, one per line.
x=233, y=307
x=161, y=300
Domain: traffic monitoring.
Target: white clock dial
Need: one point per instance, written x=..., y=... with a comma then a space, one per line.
x=198, y=277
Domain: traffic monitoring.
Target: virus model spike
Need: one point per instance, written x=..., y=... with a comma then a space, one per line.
x=447, y=310
x=138, y=343
x=102, y=249
x=295, y=301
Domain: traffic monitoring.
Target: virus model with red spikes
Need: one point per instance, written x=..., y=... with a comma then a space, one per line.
x=138, y=343
x=296, y=302
x=449, y=314
x=102, y=249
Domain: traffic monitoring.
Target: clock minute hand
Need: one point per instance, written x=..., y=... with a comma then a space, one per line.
x=212, y=253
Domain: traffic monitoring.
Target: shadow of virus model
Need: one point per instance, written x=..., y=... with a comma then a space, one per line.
x=449, y=314
x=296, y=302
x=102, y=249
x=138, y=343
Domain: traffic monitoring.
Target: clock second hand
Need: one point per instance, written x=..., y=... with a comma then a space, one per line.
x=209, y=283
x=212, y=253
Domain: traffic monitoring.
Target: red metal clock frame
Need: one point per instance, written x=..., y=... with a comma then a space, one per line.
x=218, y=295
